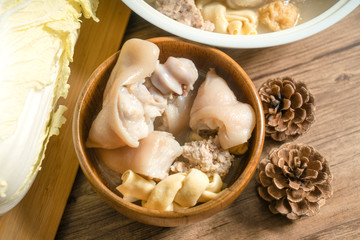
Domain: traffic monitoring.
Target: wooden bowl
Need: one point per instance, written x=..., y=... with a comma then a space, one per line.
x=89, y=104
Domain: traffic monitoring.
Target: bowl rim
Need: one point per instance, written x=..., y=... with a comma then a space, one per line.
x=319, y=23
x=237, y=187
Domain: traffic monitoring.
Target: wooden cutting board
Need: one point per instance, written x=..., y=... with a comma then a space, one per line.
x=39, y=213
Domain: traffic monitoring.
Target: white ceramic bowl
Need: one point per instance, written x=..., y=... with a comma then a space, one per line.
x=309, y=28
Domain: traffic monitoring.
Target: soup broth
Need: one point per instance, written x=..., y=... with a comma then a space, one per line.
x=308, y=9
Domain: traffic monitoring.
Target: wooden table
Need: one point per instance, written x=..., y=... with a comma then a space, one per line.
x=329, y=63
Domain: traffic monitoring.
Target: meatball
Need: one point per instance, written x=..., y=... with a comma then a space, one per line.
x=205, y=155
x=279, y=15
x=184, y=11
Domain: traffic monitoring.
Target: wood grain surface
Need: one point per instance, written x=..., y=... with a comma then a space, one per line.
x=329, y=64
x=38, y=215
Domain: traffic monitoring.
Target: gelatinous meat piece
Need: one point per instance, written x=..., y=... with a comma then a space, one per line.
x=137, y=60
x=129, y=107
x=176, y=75
x=216, y=107
x=152, y=158
x=176, y=116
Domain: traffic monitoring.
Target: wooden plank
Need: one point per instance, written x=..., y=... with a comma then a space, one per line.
x=39, y=213
x=329, y=64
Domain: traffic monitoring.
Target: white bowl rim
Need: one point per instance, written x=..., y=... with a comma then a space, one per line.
x=331, y=16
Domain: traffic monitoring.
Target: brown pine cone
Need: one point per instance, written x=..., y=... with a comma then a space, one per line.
x=288, y=107
x=295, y=179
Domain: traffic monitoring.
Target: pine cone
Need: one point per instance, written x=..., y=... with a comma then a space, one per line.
x=295, y=179
x=288, y=107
